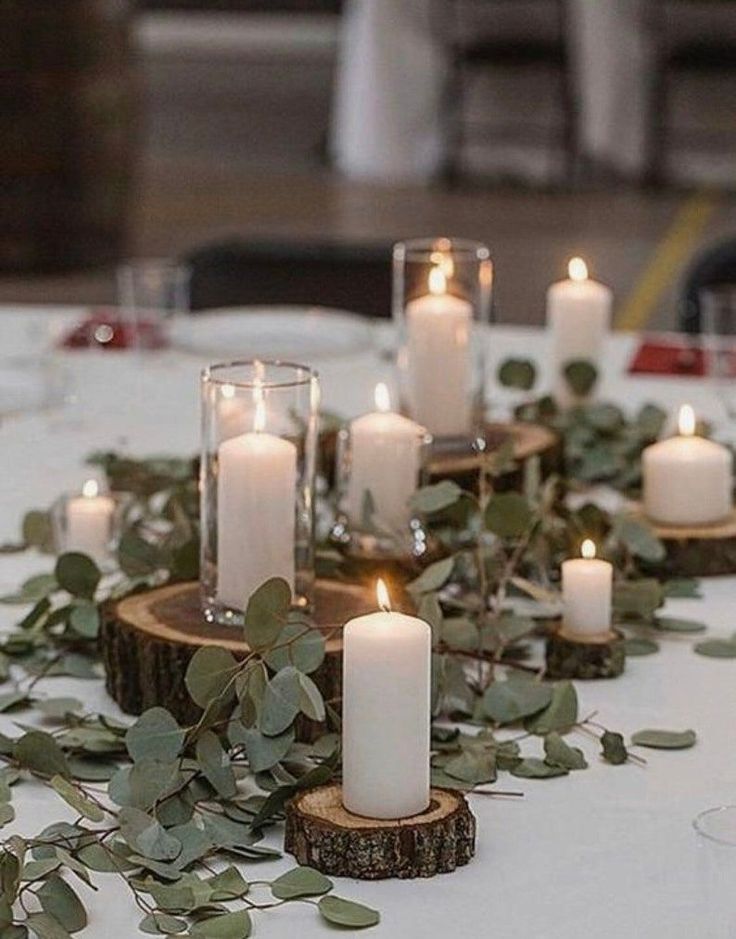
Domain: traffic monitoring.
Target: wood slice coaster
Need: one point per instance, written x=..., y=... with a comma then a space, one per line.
x=322, y=834
x=456, y=459
x=697, y=550
x=148, y=639
x=572, y=656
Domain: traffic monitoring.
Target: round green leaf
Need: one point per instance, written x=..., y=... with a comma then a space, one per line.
x=155, y=736
x=716, y=648
x=235, y=925
x=300, y=882
x=517, y=373
x=209, y=673
x=534, y=768
x=580, y=375
x=341, y=912
x=78, y=574
x=266, y=613
x=299, y=645
x=508, y=701
x=508, y=515
x=281, y=702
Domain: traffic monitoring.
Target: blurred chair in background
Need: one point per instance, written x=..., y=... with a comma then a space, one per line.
x=713, y=267
x=519, y=47
x=355, y=277
x=695, y=47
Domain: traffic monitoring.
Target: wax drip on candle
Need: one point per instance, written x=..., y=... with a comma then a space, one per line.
x=382, y=398
x=587, y=549
x=91, y=489
x=686, y=421
x=384, y=600
x=577, y=270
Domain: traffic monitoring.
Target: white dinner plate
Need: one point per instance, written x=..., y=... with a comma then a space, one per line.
x=298, y=333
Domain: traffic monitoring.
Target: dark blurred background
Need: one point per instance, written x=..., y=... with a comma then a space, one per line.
x=307, y=135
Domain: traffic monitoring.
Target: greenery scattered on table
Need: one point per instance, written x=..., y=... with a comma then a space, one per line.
x=170, y=808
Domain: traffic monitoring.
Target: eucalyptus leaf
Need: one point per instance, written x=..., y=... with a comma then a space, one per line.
x=664, y=739
x=46, y=927
x=235, y=925
x=311, y=702
x=155, y=735
x=432, y=577
x=347, y=913
x=76, y=799
x=716, y=648
x=639, y=538
x=228, y=884
x=39, y=752
x=580, y=375
x=146, y=836
x=508, y=515
x=59, y=900
x=209, y=673
x=534, y=768
x=300, y=882
x=638, y=646
x=560, y=714
x=613, y=748
x=558, y=752
x=266, y=613
x=676, y=625
x=281, y=702
x=85, y=619
x=508, y=701
x=215, y=764
x=78, y=574
x=517, y=373
x=264, y=752
x=299, y=645
x=436, y=498
x=157, y=924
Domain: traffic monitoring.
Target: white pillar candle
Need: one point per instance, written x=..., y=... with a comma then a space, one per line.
x=256, y=492
x=578, y=319
x=587, y=583
x=386, y=713
x=687, y=480
x=440, y=359
x=385, y=459
x=89, y=522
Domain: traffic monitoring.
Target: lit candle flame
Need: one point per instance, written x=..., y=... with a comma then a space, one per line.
x=686, y=421
x=577, y=269
x=259, y=417
x=587, y=549
x=90, y=489
x=437, y=281
x=382, y=398
x=228, y=391
x=384, y=601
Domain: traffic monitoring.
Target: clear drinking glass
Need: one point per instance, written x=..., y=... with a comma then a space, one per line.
x=150, y=292
x=718, y=312
x=259, y=450
x=441, y=296
x=716, y=830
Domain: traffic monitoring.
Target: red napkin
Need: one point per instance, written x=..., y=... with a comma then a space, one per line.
x=659, y=356
x=104, y=328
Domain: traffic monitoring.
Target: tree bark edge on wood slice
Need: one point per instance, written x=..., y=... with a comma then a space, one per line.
x=570, y=656
x=461, y=463
x=148, y=639
x=321, y=833
x=697, y=550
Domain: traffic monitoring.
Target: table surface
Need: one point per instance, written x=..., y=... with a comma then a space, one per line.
x=610, y=849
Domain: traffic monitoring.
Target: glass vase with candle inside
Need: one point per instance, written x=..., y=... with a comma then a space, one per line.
x=441, y=301
x=381, y=462
x=259, y=443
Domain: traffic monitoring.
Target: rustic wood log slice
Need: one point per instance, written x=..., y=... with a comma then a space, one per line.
x=148, y=639
x=698, y=550
x=322, y=834
x=456, y=459
x=571, y=656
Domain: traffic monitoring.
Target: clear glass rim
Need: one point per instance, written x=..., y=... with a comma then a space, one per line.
x=210, y=377
x=423, y=249
x=699, y=825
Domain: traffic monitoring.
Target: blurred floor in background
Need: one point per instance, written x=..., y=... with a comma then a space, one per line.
x=235, y=137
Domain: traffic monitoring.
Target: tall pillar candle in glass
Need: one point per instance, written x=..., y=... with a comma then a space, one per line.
x=381, y=462
x=441, y=299
x=259, y=443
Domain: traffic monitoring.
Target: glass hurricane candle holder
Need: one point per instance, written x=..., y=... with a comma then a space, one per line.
x=87, y=522
x=382, y=459
x=259, y=445
x=441, y=296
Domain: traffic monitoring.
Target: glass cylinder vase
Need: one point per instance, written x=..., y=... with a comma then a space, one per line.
x=259, y=445
x=382, y=459
x=441, y=296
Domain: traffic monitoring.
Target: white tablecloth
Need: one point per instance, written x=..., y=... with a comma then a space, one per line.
x=387, y=117
x=609, y=851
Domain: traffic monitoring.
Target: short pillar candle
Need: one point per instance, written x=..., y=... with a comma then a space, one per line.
x=587, y=584
x=386, y=713
x=687, y=480
x=89, y=522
